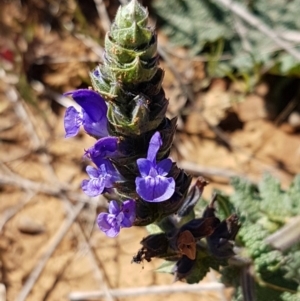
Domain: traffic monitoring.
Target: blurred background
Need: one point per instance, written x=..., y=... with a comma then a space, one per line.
x=232, y=78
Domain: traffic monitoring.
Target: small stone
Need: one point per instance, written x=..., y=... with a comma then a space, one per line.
x=28, y=225
x=294, y=120
x=2, y=292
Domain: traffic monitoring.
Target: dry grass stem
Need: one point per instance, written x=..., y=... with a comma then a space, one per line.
x=149, y=290
x=49, y=249
x=240, y=11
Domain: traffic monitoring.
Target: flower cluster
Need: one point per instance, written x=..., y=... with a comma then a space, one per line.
x=152, y=183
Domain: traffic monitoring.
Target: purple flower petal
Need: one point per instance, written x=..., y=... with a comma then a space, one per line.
x=72, y=122
x=154, y=145
x=96, y=72
x=94, y=111
x=119, y=216
x=97, y=129
x=108, y=168
x=128, y=209
x=100, y=179
x=163, y=167
x=114, y=207
x=156, y=189
x=109, y=224
x=114, y=231
x=103, y=148
x=115, y=221
x=93, y=187
x=92, y=172
x=102, y=222
x=91, y=102
x=153, y=185
x=144, y=166
x=127, y=223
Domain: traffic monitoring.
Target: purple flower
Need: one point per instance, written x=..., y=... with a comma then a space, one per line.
x=100, y=179
x=154, y=185
x=92, y=116
x=102, y=149
x=119, y=216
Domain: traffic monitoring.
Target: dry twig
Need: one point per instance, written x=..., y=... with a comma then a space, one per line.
x=91, y=44
x=149, y=290
x=13, y=95
x=98, y=273
x=49, y=249
x=103, y=15
x=287, y=110
x=200, y=170
x=12, y=211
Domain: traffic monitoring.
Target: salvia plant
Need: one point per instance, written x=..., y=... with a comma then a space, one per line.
x=125, y=112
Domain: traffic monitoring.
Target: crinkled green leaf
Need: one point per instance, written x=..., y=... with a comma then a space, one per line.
x=201, y=25
x=265, y=208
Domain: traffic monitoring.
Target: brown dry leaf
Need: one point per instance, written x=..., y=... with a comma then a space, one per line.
x=271, y=145
x=251, y=108
x=208, y=109
x=216, y=102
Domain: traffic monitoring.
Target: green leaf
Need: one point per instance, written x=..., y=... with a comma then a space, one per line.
x=153, y=229
x=201, y=25
x=166, y=267
x=204, y=262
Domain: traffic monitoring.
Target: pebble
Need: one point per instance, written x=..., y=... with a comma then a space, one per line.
x=28, y=225
x=2, y=292
x=294, y=120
